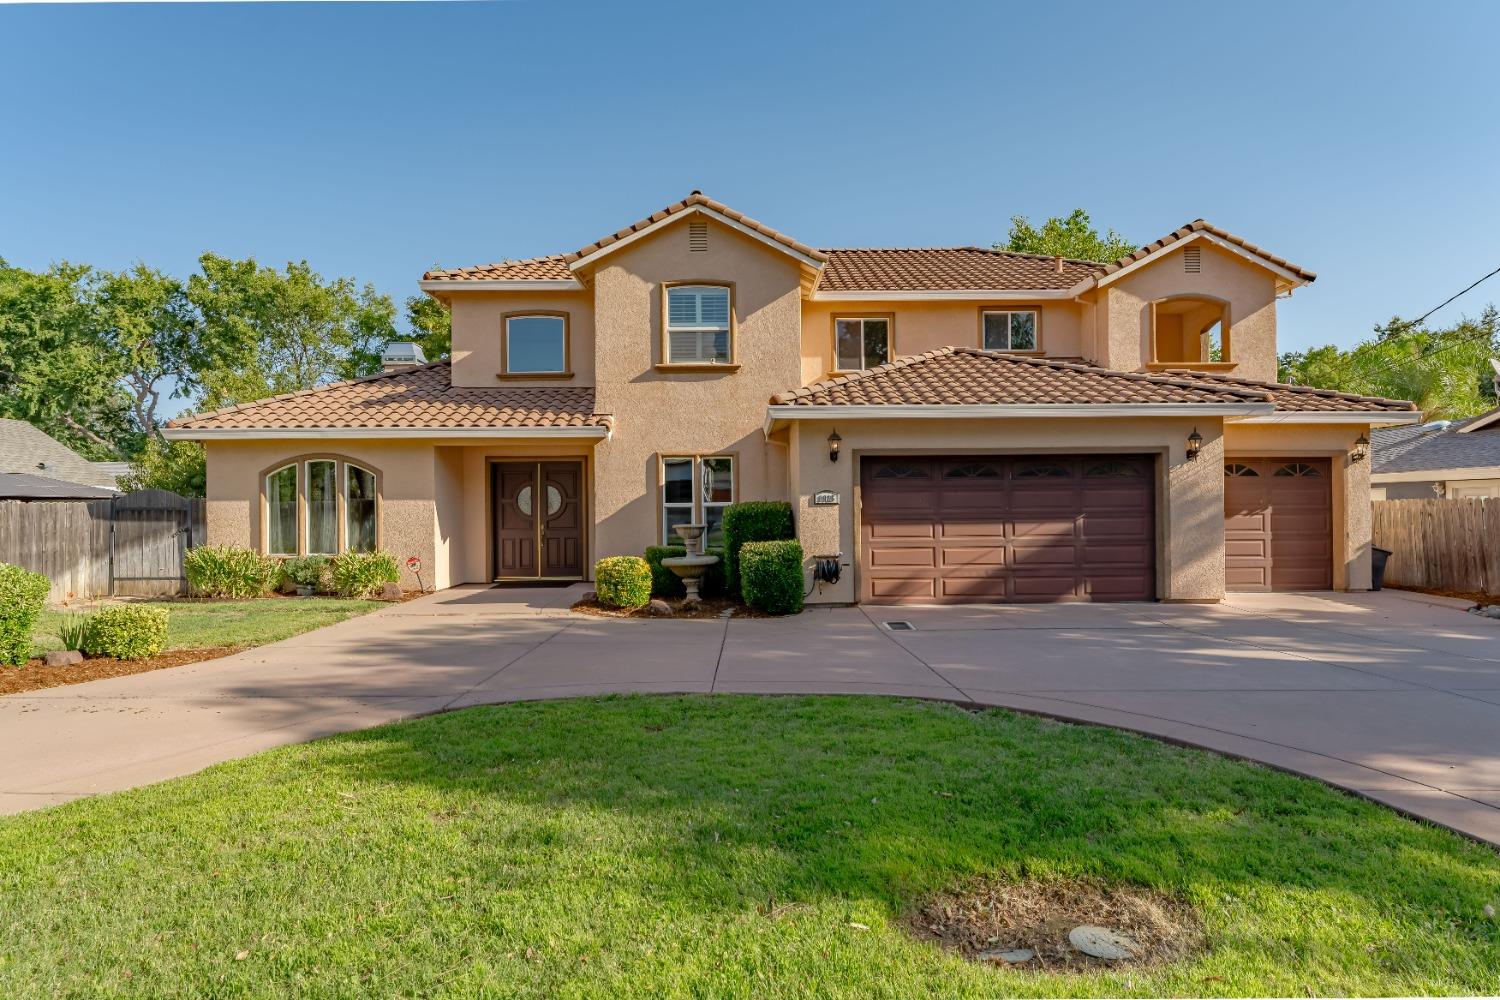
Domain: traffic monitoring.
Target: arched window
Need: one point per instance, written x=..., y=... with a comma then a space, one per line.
x=321, y=505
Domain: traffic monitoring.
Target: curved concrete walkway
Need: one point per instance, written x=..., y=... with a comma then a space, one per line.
x=1393, y=696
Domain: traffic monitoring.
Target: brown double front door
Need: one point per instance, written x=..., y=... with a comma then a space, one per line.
x=539, y=529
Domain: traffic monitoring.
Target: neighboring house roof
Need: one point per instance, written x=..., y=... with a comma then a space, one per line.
x=1434, y=448
x=416, y=399
x=27, y=449
x=23, y=486
x=966, y=376
x=1304, y=398
x=1188, y=231
x=947, y=269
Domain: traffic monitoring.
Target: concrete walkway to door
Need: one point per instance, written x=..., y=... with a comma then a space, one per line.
x=1394, y=696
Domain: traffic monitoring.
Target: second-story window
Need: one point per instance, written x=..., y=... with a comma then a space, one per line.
x=1009, y=330
x=535, y=344
x=861, y=342
x=698, y=324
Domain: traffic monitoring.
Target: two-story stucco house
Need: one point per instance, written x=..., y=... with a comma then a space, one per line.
x=958, y=424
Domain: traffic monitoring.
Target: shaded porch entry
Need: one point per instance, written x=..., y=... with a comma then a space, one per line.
x=538, y=514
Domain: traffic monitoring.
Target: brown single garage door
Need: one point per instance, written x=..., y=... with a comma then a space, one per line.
x=1278, y=524
x=989, y=529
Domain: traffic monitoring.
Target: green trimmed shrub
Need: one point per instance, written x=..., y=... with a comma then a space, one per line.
x=752, y=521
x=771, y=576
x=712, y=583
x=664, y=583
x=228, y=571
x=306, y=571
x=126, y=632
x=362, y=574
x=22, y=596
x=622, y=581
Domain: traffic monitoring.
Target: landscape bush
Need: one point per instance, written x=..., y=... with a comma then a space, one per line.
x=362, y=574
x=664, y=583
x=228, y=571
x=622, y=581
x=306, y=571
x=752, y=521
x=771, y=576
x=22, y=596
x=126, y=632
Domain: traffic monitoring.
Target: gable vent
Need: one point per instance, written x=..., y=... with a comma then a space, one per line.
x=1192, y=259
x=697, y=236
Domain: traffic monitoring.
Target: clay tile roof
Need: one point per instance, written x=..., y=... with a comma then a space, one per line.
x=694, y=199
x=531, y=269
x=418, y=397
x=1201, y=226
x=968, y=376
x=947, y=269
x=1303, y=398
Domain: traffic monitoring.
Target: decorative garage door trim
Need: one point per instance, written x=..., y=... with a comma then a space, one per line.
x=1278, y=524
x=974, y=529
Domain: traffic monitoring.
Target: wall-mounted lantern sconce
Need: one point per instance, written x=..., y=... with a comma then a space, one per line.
x=833, y=446
x=1361, y=449
x=1194, y=445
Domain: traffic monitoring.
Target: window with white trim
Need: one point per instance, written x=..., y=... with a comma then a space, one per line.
x=321, y=506
x=861, y=342
x=281, y=511
x=536, y=345
x=695, y=490
x=359, y=509
x=1010, y=330
x=698, y=323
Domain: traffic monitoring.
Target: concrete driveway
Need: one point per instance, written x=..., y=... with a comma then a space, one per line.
x=1395, y=696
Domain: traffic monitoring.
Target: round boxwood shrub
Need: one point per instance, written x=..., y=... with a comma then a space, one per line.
x=22, y=596
x=622, y=581
x=771, y=576
x=228, y=571
x=752, y=521
x=126, y=632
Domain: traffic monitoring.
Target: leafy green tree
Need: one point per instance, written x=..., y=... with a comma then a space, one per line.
x=278, y=331
x=145, y=327
x=1073, y=236
x=1446, y=372
x=168, y=465
x=431, y=326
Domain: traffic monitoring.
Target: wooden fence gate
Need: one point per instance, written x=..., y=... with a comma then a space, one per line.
x=1440, y=544
x=131, y=545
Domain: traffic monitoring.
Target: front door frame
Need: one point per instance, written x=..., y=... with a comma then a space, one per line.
x=492, y=522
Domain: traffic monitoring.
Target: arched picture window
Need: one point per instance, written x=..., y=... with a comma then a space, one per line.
x=359, y=509
x=322, y=507
x=281, y=511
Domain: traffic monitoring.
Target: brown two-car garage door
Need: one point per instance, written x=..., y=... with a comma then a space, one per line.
x=983, y=529
x=1278, y=524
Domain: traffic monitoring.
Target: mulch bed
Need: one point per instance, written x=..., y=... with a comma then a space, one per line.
x=1473, y=596
x=709, y=607
x=34, y=675
x=1037, y=914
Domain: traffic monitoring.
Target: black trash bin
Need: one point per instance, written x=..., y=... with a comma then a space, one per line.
x=1378, y=556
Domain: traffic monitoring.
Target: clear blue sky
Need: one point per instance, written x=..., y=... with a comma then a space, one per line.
x=1357, y=139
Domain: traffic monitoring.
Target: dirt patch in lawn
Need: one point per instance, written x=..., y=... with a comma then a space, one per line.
x=709, y=607
x=982, y=919
x=35, y=676
x=1477, y=597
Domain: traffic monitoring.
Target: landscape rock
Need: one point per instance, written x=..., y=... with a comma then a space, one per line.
x=62, y=658
x=1010, y=956
x=1101, y=942
x=590, y=595
x=659, y=608
x=390, y=592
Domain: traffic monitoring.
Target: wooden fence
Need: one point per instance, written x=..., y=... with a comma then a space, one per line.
x=1440, y=544
x=129, y=545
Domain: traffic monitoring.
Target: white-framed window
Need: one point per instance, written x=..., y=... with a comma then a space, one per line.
x=695, y=490
x=1010, y=330
x=359, y=509
x=861, y=342
x=536, y=344
x=322, y=507
x=281, y=511
x=698, y=324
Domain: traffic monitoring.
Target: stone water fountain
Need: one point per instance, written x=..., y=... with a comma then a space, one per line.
x=694, y=564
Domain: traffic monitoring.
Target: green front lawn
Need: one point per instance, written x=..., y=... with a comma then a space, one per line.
x=211, y=624
x=724, y=846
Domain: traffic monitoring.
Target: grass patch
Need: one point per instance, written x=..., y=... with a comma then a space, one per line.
x=724, y=846
x=212, y=624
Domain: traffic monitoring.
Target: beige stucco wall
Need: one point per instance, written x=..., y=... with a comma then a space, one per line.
x=680, y=413
x=1125, y=310
x=477, y=332
x=1190, y=523
x=1351, y=484
x=405, y=484
x=926, y=326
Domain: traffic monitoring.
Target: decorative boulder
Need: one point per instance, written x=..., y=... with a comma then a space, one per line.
x=62, y=658
x=659, y=608
x=390, y=592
